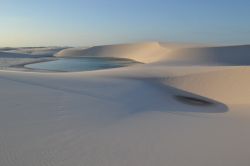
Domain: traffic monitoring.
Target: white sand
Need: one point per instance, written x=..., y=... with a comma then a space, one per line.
x=34, y=51
x=130, y=116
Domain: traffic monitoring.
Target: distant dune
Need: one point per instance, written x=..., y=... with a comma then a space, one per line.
x=169, y=54
x=37, y=51
x=223, y=55
x=14, y=55
x=143, y=52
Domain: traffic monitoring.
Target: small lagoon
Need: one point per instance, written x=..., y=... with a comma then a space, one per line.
x=81, y=64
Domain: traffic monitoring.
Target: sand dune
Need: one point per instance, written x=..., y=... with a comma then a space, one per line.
x=229, y=85
x=14, y=55
x=29, y=52
x=187, y=105
x=36, y=51
x=12, y=59
x=169, y=54
x=225, y=84
x=143, y=52
x=224, y=55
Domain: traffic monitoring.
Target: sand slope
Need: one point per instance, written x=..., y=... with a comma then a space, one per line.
x=165, y=112
x=230, y=85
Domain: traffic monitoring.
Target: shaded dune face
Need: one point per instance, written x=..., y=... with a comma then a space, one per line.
x=184, y=101
x=227, y=85
x=200, y=103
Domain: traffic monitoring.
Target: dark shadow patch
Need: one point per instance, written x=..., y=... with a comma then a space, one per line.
x=193, y=101
x=178, y=100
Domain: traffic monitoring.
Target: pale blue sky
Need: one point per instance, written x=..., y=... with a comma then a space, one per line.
x=94, y=22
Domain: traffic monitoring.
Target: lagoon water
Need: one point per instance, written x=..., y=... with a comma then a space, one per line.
x=81, y=64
